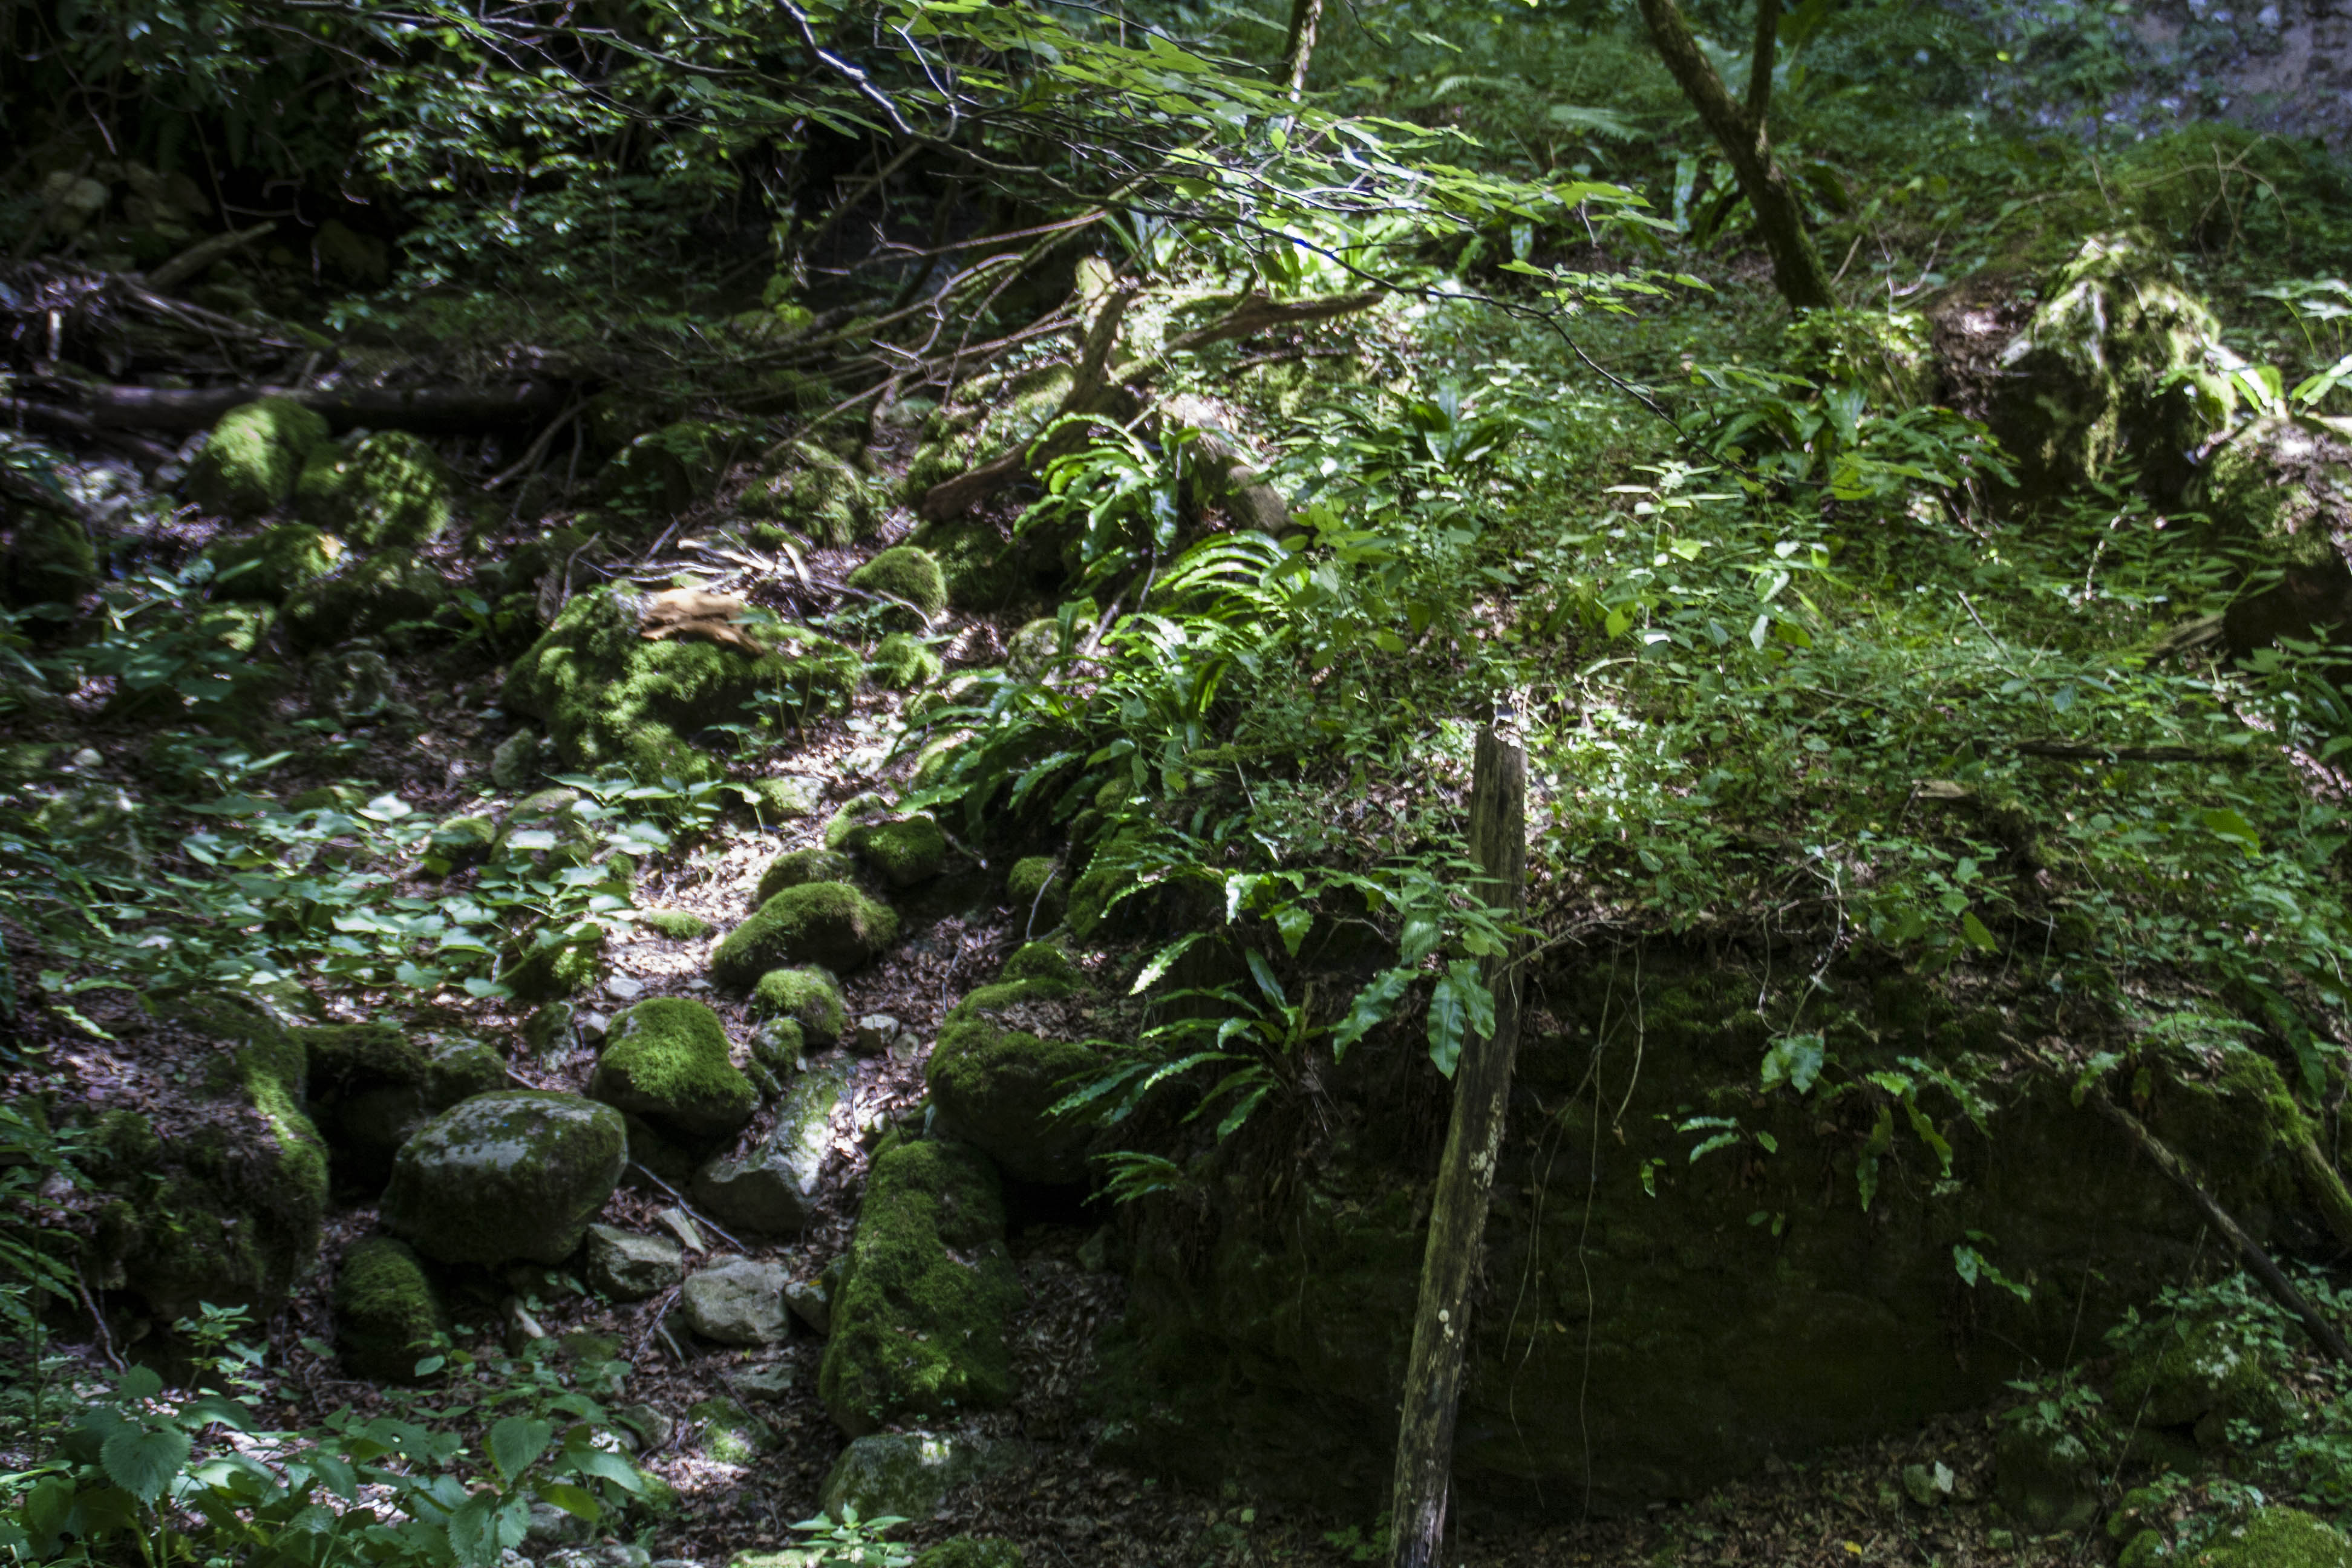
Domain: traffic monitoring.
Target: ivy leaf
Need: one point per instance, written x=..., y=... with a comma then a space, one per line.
x=1373, y=1004
x=1459, y=1007
x=142, y=1460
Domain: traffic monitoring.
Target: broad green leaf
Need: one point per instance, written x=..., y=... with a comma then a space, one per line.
x=516, y=1442
x=142, y=1460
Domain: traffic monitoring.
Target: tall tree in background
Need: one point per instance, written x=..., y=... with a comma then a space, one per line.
x=1740, y=130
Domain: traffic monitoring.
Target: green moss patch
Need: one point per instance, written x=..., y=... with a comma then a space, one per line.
x=668, y=1060
x=387, y=489
x=908, y=572
x=981, y=568
x=799, y=867
x=609, y=697
x=386, y=1311
x=678, y=925
x=902, y=663
x=364, y=599
x=2278, y=1538
x=1038, y=891
x=808, y=997
x=253, y=456
x=829, y=924
x=918, y=1324
x=972, y=1552
x=996, y=1079
x=820, y=495
x=514, y=1176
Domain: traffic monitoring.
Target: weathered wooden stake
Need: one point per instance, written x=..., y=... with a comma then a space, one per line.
x=1457, y=1213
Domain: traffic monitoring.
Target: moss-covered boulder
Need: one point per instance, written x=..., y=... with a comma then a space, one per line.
x=386, y=488
x=729, y=1434
x=908, y=1474
x=982, y=569
x=513, y=1175
x=903, y=851
x=49, y=559
x=919, y=1325
x=902, y=663
x=608, y=697
x=372, y=1086
x=386, y=1311
x=2277, y=1538
x=665, y=470
x=220, y=1196
x=990, y=414
x=796, y=867
x=677, y=925
x=819, y=494
x=1038, y=891
x=668, y=1060
x=784, y=799
x=2279, y=491
x=553, y=967
x=809, y=998
x=907, y=572
x=772, y=1189
x=364, y=598
x=829, y=924
x=271, y=564
x=1003, y=1062
x=2120, y=363
x=253, y=456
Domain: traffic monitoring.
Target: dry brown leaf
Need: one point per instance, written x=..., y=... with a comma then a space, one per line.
x=692, y=613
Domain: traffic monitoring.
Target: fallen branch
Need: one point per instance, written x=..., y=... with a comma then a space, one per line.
x=2259, y=1262
x=66, y=422
x=204, y=253
x=420, y=409
x=1095, y=385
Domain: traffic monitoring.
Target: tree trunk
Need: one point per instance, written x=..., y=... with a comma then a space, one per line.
x=1298, y=48
x=1466, y=1181
x=1741, y=132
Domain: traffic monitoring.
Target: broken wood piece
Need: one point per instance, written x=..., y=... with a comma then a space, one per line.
x=692, y=613
x=2258, y=1262
x=204, y=253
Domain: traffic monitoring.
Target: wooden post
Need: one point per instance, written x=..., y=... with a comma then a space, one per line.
x=1466, y=1181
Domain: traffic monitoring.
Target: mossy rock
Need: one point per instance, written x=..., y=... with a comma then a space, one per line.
x=1042, y=961
x=364, y=598
x=677, y=925
x=903, y=851
x=797, y=868
x=253, y=456
x=981, y=568
x=2120, y=364
x=508, y=1176
x=1031, y=651
x=902, y=663
x=271, y=564
x=2203, y=1372
x=997, y=1085
x=852, y=815
x=972, y=1552
x=554, y=970
x=989, y=414
x=919, y=1325
x=608, y=698
x=809, y=998
x=462, y=842
x=386, y=1311
x=668, y=1060
x=818, y=494
x=829, y=924
x=786, y=799
x=908, y=572
x=730, y=1434
x=2280, y=490
x=665, y=470
x=227, y=1208
x=2277, y=1538
x=386, y=489
x=908, y=1474
x=1038, y=891
x=50, y=560
x=372, y=1086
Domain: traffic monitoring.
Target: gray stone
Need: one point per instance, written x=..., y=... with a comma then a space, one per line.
x=737, y=1301
x=874, y=1033
x=516, y=761
x=551, y=1527
x=910, y=1474
x=651, y=1427
x=629, y=1267
x=772, y=1189
x=812, y=1302
x=517, y=1173
x=772, y=1382
x=613, y=1556
x=789, y=796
